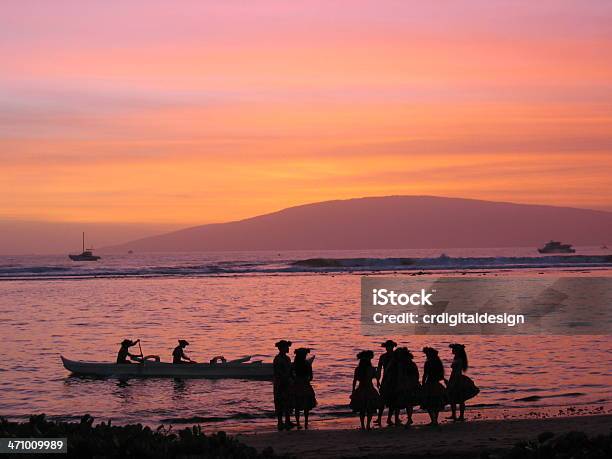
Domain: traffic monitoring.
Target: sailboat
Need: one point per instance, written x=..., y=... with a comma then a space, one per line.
x=86, y=255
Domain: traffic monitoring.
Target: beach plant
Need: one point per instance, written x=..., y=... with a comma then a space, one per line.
x=104, y=440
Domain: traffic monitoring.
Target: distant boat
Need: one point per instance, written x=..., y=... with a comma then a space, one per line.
x=557, y=247
x=86, y=255
x=605, y=247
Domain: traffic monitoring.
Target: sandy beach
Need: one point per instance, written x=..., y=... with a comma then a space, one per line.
x=462, y=439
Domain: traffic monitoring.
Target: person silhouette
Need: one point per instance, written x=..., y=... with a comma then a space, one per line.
x=459, y=386
x=365, y=399
x=304, y=398
x=124, y=351
x=434, y=393
x=282, y=384
x=178, y=354
x=386, y=368
x=407, y=386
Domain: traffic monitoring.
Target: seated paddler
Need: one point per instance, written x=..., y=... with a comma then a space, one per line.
x=124, y=352
x=178, y=354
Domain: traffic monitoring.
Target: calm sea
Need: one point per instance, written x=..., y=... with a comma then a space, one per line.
x=239, y=304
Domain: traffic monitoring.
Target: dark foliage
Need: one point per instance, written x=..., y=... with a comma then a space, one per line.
x=576, y=445
x=86, y=440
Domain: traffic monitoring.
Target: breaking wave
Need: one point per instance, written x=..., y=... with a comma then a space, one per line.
x=444, y=262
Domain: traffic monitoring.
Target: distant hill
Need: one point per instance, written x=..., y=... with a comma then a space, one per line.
x=391, y=222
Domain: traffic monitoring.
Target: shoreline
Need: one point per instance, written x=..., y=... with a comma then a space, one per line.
x=449, y=439
x=347, y=421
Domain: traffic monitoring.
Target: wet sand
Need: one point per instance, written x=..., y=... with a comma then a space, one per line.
x=460, y=439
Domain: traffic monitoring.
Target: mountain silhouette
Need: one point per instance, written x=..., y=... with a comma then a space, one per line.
x=391, y=222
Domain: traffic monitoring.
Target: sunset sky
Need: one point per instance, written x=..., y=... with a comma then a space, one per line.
x=195, y=112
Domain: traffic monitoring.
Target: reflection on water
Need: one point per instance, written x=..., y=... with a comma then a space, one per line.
x=180, y=387
x=237, y=316
x=124, y=390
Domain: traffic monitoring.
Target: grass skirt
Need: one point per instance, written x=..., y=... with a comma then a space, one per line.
x=366, y=399
x=461, y=389
x=407, y=397
x=303, y=396
x=433, y=396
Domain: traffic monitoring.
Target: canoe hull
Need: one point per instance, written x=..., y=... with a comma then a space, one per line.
x=252, y=370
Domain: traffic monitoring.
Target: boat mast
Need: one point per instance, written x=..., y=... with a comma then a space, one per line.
x=83, y=241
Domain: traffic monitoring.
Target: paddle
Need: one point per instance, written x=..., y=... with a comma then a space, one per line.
x=141, y=354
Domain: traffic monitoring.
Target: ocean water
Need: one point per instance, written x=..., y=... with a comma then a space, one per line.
x=294, y=262
x=238, y=304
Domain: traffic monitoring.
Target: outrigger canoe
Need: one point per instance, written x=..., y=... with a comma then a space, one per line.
x=240, y=368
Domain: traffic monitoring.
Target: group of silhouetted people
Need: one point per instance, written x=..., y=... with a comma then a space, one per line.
x=398, y=385
x=292, y=386
x=178, y=354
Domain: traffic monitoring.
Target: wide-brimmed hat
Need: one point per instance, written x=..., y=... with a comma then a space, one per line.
x=128, y=342
x=302, y=351
x=388, y=343
x=283, y=343
x=183, y=342
x=369, y=355
x=429, y=351
x=456, y=346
